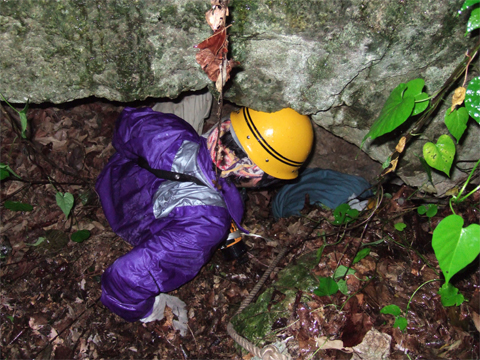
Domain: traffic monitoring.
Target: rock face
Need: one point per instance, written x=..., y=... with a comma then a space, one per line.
x=334, y=60
x=123, y=50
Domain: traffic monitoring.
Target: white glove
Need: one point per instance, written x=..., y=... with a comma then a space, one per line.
x=179, y=308
x=357, y=204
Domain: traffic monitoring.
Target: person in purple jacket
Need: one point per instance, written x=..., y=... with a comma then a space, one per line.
x=160, y=193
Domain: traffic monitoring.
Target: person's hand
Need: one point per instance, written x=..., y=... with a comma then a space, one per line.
x=179, y=308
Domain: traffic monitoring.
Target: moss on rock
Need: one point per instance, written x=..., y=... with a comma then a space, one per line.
x=256, y=320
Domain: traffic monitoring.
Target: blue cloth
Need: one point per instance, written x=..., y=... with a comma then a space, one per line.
x=168, y=251
x=328, y=187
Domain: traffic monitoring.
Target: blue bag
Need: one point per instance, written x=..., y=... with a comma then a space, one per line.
x=328, y=187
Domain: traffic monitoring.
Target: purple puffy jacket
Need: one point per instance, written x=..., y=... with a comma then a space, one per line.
x=174, y=226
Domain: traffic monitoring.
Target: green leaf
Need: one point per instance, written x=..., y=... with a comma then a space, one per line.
x=455, y=246
x=430, y=210
x=400, y=226
x=10, y=317
x=386, y=164
x=373, y=243
x=391, y=310
x=342, y=271
x=456, y=122
x=468, y=3
x=342, y=286
x=320, y=252
x=422, y=210
x=327, y=286
x=4, y=174
x=17, y=206
x=421, y=103
x=425, y=167
x=473, y=21
x=395, y=112
x=22, y=114
x=80, y=236
x=401, y=323
x=40, y=240
x=65, y=201
x=472, y=99
x=9, y=169
x=440, y=156
x=414, y=87
x=361, y=254
x=450, y=296
x=343, y=214
x=23, y=119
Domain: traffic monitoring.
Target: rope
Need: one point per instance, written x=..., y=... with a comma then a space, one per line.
x=269, y=352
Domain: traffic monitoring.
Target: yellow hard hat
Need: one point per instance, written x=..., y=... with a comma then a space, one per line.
x=279, y=142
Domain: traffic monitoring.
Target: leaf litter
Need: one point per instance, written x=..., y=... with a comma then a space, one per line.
x=49, y=295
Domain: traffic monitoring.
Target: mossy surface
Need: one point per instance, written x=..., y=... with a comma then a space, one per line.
x=130, y=49
x=256, y=320
x=54, y=240
x=89, y=47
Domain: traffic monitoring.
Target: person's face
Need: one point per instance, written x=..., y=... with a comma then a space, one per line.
x=264, y=181
x=234, y=163
x=247, y=183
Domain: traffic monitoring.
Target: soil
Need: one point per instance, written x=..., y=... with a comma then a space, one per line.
x=50, y=289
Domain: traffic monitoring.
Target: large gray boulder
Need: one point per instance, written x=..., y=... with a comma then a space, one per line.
x=334, y=60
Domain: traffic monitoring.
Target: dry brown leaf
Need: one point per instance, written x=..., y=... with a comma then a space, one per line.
x=393, y=166
x=20, y=227
x=394, y=163
x=458, y=97
x=217, y=15
x=360, y=298
x=325, y=344
x=53, y=335
x=98, y=225
x=206, y=59
x=57, y=144
x=94, y=148
x=452, y=192
x=168, y=316
x=13, y=186
x=215, y=43
x=212, y=56
x=401, y=144
x=375, y=345
x=211, y=64
x=476, y=320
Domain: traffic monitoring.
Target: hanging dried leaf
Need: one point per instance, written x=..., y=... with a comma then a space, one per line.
x=212, y=56
x=211, y=64
x=217, y=16
x=204, y=59
x=216, y=42
x=458, y=97
x=225, y=68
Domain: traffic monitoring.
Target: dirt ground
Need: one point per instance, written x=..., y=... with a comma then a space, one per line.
x=49, y=296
